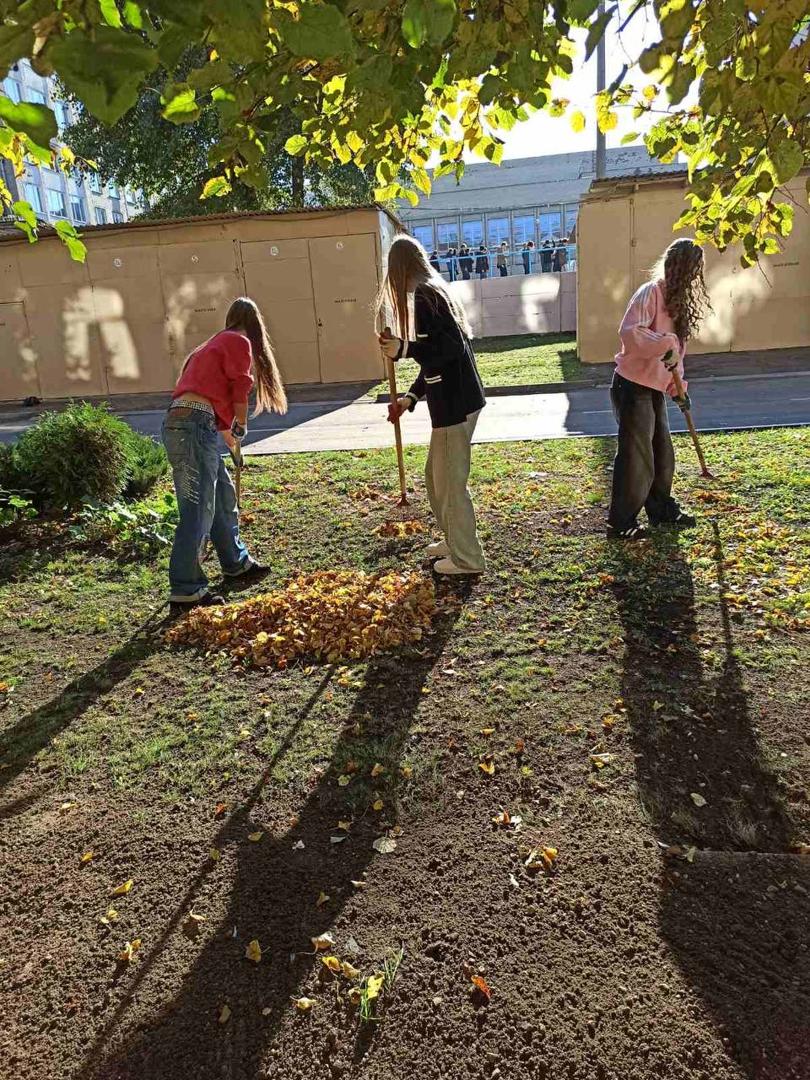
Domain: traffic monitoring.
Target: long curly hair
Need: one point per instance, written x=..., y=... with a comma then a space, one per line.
x=687, y=301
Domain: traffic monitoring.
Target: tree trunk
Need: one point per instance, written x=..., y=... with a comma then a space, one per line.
x=297, y=192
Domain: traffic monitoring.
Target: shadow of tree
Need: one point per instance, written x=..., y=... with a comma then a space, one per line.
x=742, y=947
x=272, y=899
x=32, y=732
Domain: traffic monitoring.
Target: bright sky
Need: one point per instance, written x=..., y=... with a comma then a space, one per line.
x=544, y=134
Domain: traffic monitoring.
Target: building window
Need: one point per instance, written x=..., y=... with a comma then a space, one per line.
x=32, y=196
x=447, y=232
x=112, y=189
x=130, y=196
x=497, y=231
x=36, y=96
x=95, y=183
x=424, y=234
x=101, y=216
x=12, y=89
x=56, y=202
x=118, y=217
x=550, y=222
x=522, y=228
x=571, y=221
x=78, y=211
x=62, y=116
x=472, y=232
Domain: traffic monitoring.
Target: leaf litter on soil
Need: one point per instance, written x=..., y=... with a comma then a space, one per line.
x=329, y=615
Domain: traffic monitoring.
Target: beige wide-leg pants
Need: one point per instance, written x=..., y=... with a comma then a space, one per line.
x=446, y=473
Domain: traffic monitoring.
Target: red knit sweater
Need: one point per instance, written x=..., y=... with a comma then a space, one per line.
x=219, y=370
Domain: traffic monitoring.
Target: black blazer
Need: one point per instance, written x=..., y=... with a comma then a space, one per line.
x=448, y=378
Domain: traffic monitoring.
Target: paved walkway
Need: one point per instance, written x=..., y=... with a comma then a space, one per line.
x=719, y=403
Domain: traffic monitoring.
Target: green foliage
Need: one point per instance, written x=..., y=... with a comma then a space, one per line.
x=389, y=85
x=15, y=507
x=67, y=457
x=172, y=161
x=128, y=530
x=83, y=453
x=146, y=462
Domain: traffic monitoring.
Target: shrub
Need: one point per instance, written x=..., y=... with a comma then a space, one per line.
x=128, y=530
x=10, y=479
x=74, y=455
x=147, y=463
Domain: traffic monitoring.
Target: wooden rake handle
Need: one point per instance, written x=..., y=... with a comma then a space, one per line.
x=690, y=423
x=392, y=391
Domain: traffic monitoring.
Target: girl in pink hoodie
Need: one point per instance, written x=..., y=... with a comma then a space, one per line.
x=661, y=317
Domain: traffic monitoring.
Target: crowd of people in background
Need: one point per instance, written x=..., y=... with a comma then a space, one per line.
x=463, y=263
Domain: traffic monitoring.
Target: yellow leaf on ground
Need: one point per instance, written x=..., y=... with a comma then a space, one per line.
x=253, y=951
x=373, y=986
x=487, y=730
x=355, y=995
x=129, y=950
x=255, y=836
x=359, y=884
x=345, y=825
x=110, y=917
x=349, y=971
x=378, y=770
x=344, y=781
x=332, y=963
x=323, y=941
x=304, y=1004
x=88, y=855
x=378, y=804
x=322, y=899
x=224, y=1014
x=194, y=917
x=487, y=767
x=214, y=854
x=406, y=772
x=121, y=890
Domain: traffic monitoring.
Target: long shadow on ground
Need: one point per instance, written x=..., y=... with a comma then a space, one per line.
x=31, y=733
x=740, y=945
x=272, y=900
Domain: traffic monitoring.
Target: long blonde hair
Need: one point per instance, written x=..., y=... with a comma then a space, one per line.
x=244, y=315
x=409, y=267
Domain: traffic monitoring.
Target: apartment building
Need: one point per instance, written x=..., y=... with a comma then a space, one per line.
x=53, y=194
x=535, y=198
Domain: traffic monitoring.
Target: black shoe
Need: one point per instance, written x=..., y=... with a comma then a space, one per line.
x=209, y=599
x=633, y=532
x=250, y=571
x=682, y=520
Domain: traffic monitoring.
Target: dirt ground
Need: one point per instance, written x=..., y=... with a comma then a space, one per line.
x=644, y=714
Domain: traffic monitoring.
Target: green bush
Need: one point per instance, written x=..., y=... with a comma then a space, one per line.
x=10, y=479
x=74, y=455
x=83, y=454
x=147, y=463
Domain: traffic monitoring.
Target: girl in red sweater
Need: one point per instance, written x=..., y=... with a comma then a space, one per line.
x=211, y=396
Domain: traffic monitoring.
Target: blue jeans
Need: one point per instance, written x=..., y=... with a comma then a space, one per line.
x=206, y=501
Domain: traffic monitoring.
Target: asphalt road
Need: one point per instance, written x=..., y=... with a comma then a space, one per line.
x=722, y=403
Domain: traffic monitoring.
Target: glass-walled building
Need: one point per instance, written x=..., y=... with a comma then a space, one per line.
x=521, y=201
x=54, y=195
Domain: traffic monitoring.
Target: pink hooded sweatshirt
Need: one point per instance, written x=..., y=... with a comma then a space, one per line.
x=647, y=333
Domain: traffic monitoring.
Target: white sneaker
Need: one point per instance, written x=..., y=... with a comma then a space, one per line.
x=437, y=550
x=447, y=566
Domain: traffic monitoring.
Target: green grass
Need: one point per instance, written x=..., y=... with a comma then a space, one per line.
x=94, y=701
x=519, y=360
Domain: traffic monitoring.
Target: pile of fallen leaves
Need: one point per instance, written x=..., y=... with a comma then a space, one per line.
x=399, y=530
x=329, y=616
